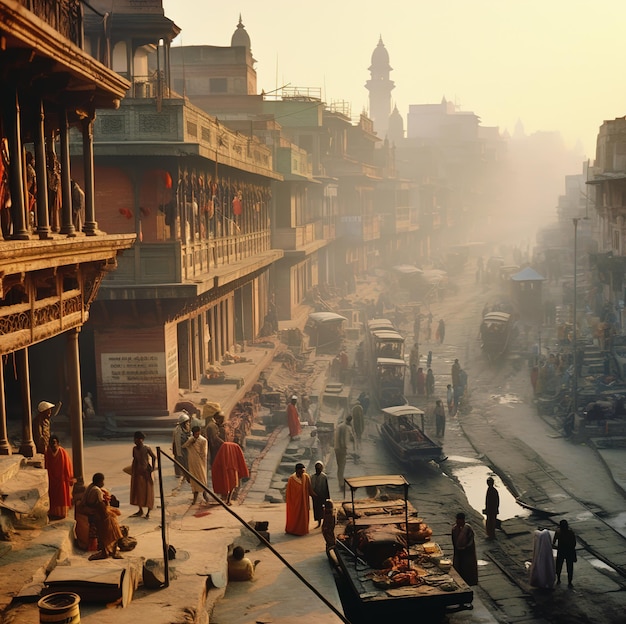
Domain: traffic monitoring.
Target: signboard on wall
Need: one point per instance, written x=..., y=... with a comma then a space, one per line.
x=132, y=368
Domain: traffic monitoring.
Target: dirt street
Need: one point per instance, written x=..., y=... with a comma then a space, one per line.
x=500, y=429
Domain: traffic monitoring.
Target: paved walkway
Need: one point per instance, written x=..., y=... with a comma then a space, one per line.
x=202, y=534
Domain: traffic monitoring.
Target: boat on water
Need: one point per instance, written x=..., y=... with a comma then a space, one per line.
x=385, y=556
x=495, y=333
x=388, y=382
x=403, y=433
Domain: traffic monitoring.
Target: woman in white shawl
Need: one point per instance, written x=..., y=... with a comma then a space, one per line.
x=542, y=572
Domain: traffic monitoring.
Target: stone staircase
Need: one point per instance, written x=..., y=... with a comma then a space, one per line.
x=23, y=494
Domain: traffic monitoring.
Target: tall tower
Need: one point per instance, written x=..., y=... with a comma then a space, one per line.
x=380, y=88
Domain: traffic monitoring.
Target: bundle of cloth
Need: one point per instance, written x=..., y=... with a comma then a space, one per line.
x=379, y=543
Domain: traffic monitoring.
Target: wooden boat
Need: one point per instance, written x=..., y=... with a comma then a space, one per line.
x=388, y=381
x=495, y=333
x=377, y=593
x=406, y=439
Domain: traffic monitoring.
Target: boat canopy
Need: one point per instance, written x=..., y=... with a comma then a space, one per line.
x=496, y=317
x=379, y=323
x=326, y=317
x=406, y=269
x=394, y=480
x=385, y=361
x=388, y=334
x=403, y=410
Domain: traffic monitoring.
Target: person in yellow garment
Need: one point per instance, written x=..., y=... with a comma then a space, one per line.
x=299, y=490
x=95, y=505
x=141, y=481
x=240, y=568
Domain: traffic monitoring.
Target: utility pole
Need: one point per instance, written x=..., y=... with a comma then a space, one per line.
x=575, y=221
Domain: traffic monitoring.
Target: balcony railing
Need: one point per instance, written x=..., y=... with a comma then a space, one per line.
x=363, y=228
x=174, y=262
x=65, y=16
x=200, y=257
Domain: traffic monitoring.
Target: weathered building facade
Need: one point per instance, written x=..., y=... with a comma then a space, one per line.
x=222, y=81
x=52, y=261
x=608, y=179
x=198, y=196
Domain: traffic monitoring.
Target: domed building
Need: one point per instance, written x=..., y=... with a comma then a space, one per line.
x=219, y=79
x=240, y=38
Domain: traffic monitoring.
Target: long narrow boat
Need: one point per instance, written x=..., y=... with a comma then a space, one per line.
x=403, y=433
x=385, y=557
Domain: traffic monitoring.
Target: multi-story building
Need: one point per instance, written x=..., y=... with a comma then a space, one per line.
x=222, y=81
x=198, y=196
x=53, y=256
x=608, y=178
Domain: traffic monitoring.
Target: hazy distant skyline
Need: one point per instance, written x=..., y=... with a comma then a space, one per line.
x=552, y=64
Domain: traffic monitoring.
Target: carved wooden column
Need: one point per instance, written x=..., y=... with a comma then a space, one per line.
x=76, y=408
x=43, y=217
x=16, y=168
x=27, y=447
x=67, y=225
x=5, y=447
x=91, y=226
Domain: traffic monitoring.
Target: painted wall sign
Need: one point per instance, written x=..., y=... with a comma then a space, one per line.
x=132, y=368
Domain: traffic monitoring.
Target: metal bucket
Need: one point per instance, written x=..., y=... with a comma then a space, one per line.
x=60, y=608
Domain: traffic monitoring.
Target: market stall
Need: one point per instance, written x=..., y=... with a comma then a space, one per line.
x=386, y=553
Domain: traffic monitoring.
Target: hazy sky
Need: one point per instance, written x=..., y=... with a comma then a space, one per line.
x=554, y=64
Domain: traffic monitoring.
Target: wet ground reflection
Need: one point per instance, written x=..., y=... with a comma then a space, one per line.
x=618, y=522
x=506, y=399
x=472, y=476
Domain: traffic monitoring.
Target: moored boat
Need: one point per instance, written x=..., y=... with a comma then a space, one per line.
x=387, y=560
x=405, y=437
x=495, y=333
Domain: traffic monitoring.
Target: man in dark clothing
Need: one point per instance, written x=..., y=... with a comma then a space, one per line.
x=440, y=418
x=492, y=506
x=565, y=542
x=455, y=371
x=364, y=400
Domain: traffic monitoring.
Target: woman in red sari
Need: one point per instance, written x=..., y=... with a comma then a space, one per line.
x=60, y=479
x=227, y=469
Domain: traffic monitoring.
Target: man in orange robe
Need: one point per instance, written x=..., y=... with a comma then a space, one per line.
x=227, y=469
x=297, y=497
x=293, y=418
x=60, y=479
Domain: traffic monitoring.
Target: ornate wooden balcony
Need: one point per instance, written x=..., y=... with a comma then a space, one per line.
x=64, y=16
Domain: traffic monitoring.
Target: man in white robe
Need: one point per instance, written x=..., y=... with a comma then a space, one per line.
x=197, y=452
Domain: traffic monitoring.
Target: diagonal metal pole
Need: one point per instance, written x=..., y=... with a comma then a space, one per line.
x=216, y=498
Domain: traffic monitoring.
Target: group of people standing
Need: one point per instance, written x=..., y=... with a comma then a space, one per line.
x=543, y=570
x=301, y=490
x=197, y=450
x=423, y=384
x=96, y=516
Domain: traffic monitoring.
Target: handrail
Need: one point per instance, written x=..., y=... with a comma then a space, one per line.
x=260, y=537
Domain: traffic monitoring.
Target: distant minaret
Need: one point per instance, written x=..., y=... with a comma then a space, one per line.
x=395, y=131
x=380, y=88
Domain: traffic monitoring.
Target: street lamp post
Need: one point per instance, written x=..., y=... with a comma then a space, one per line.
x=575, y=221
